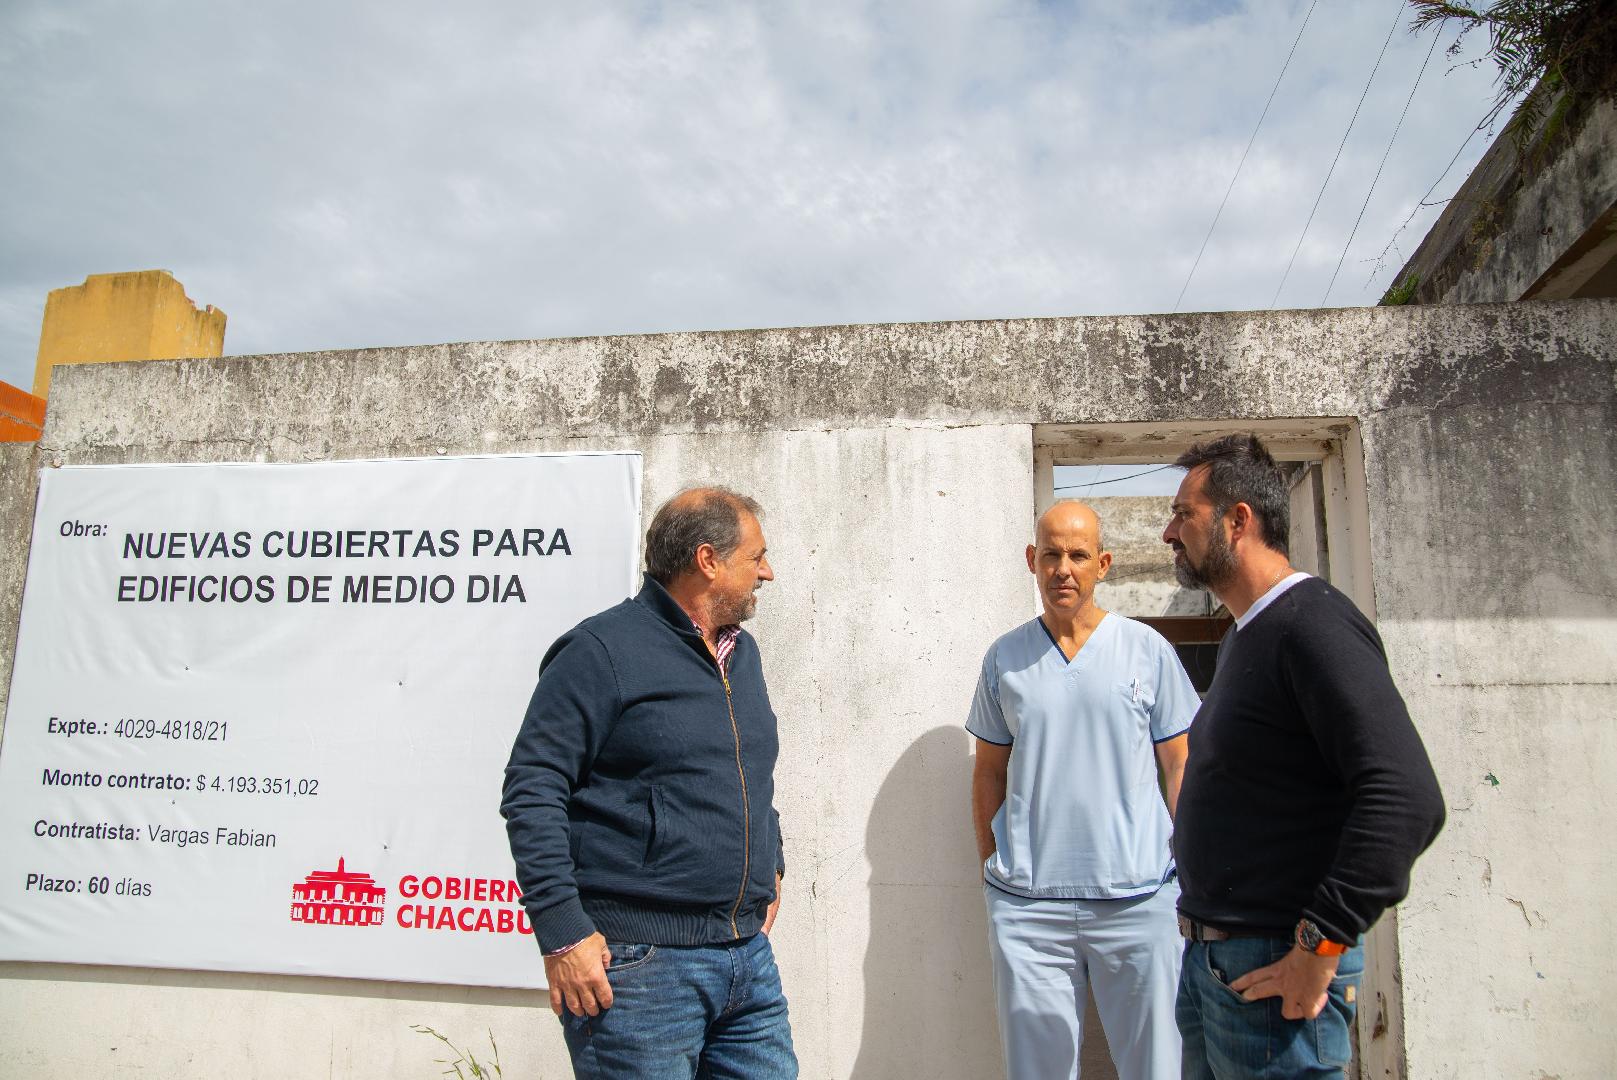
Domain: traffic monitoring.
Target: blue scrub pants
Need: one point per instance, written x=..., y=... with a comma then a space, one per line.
x=1050, y=954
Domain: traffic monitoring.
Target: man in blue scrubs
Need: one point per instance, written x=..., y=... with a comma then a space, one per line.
x=1073, y=714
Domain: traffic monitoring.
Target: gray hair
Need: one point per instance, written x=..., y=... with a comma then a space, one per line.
x=695, y=516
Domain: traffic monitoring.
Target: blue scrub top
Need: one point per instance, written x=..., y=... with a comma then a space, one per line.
x=1083, y=816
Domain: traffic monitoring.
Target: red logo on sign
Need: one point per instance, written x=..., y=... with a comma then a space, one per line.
x=338, y=898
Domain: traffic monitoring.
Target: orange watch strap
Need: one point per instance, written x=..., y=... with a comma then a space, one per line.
x=1310, y=938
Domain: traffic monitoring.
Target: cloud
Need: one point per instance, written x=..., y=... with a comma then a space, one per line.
x=371, y=175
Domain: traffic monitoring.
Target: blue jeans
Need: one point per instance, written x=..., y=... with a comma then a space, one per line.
x=709, y=1011
x=1227, y=1037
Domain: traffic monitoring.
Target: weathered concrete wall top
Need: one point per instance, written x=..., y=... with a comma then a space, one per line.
x=1139, y=368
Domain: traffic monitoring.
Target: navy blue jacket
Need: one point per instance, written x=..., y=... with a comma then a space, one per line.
x=639, y=795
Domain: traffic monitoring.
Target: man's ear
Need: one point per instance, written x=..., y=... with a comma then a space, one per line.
x=1242, y=523
x=1105, y=564
x=707, y=561
x=1032, y=553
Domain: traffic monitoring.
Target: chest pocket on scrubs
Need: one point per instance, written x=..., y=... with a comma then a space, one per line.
x=1139, y=694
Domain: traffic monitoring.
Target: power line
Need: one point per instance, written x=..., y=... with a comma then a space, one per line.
x=1373, y=180
x=1351, y=121
x=1220, y=212
x=1113, y=480
x=1424, y=202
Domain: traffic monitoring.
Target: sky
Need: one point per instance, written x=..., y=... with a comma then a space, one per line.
x=366, y=174
x=1084, y=482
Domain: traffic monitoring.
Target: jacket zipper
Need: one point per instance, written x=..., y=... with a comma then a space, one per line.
x=746, y=809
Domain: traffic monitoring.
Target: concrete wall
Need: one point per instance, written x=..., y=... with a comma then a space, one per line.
x=1507, y=646
x=1141, y=581
x=897, y=464
x=1544, y=230
x=19, y=466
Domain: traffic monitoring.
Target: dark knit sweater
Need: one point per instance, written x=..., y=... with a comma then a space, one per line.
x=638, y=798
x=1307, y=791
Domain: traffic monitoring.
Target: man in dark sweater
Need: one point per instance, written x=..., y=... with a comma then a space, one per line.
x=1307, y=795
x=638, y=800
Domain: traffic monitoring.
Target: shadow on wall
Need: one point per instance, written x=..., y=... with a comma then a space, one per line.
x=929, y=988
x=929, y=995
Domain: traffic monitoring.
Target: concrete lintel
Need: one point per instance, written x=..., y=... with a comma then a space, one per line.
x=1288, y=439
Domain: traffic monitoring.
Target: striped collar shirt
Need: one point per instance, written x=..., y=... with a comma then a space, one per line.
x=723, y=645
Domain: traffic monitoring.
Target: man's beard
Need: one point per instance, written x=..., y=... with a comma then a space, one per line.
x=737, y=609
x=1217, y=566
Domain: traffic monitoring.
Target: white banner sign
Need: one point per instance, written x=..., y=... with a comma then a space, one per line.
x=260, y=713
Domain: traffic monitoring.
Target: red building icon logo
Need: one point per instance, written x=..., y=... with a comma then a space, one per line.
x=338, y=898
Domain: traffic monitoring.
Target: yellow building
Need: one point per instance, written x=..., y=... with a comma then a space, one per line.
x=141, y=315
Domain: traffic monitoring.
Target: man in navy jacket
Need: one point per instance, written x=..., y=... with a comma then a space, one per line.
x=639, y=804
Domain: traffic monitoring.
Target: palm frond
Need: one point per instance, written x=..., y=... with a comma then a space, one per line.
x=1549, y=56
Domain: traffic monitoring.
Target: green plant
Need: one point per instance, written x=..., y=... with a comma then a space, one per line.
x=1551, y=55
x=1403, y=292
x=464, y=1065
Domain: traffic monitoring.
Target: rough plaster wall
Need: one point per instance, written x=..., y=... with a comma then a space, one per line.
x=1547, y=215
x=1499, y=235
x=18, y=482
x=1141, y=580
x=848, y=433
x=1506, y=650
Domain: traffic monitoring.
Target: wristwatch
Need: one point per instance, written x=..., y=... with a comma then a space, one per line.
x=1310, y=938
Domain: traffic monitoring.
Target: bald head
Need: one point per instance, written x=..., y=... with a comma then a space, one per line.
x=1067, y=559
x=1069, y=517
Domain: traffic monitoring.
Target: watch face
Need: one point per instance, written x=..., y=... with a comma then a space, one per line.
x=1309, y=936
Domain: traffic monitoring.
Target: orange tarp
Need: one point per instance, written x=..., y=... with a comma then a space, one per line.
x=22, y=415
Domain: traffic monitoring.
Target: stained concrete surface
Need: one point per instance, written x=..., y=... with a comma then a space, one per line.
x=486, y=395
x=1508, y=231
x=1141, y=580
x=896, y=463
x=1506, y=645
x=18, y=485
